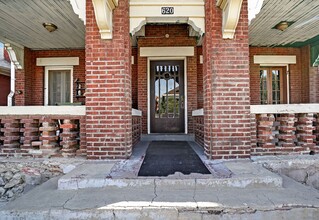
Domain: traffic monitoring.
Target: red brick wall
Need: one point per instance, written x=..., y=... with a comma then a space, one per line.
x=30, y=80
x=226, y=87
x=299, y=72
x=108, y=82
x=134, y=79
x=200, y=100
x=155, y=37
x=4, y=89
x=314, y=85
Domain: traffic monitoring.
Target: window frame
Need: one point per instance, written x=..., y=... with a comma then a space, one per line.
x=46, y=81
x=283, y=84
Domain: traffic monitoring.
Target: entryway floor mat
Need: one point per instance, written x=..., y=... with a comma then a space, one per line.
x=164, y=158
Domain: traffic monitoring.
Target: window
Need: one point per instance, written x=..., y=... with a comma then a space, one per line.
x=273, y=85
x=58, y=85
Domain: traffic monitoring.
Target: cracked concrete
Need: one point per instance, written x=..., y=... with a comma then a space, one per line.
x=160, y=201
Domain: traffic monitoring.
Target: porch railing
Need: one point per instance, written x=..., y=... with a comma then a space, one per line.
x=285, y=129
x=49, y=131
x=199, y=126
x=136, y=126
x=42, y=131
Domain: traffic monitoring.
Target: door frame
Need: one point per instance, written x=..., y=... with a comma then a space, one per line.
x=46, y=81
x=149, y=59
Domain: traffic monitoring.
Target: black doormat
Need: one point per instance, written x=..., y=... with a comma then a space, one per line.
x=167, y=157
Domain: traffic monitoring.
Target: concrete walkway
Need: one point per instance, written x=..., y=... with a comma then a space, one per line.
x=109, y=190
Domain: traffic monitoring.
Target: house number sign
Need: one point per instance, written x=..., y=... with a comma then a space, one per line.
x=167, y=10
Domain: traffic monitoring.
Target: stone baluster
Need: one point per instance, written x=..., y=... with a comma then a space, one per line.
x=265, y=137
x=69, y=135
x=305, y=130
x=49, y=139
x=287, y=131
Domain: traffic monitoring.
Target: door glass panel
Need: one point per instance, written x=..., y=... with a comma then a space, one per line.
x=275, y=86
x=59, y=86
x=263, y=87
x=166, y=91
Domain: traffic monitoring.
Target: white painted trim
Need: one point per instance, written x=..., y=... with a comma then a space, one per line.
x=136, y=112
x=46, y=81
x=166, y=51
x=271, y=60
x=198, y=112
x=284, y=108
x=231, y=12
x=103, y=11
x=58, y=61
x=149, y=59
x=43, y=110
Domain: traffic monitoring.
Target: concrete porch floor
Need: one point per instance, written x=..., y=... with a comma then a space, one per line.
x=109, y=190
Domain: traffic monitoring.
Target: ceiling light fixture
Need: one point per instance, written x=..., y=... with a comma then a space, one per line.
x=283, y=25
x=50, y=26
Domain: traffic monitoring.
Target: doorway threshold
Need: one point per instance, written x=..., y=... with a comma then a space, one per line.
x=167, y=137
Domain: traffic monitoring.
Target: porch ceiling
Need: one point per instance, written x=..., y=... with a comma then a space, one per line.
x=304, y=14
x=21, y=22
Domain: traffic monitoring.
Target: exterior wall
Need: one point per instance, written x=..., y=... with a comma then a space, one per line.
x=30, y=80
x=134, y=79
x=314, y=84
x=226, y=87
x=200, y=100
x=299, y=72
x=108, y=83
x=155, y=37
x=5, y=89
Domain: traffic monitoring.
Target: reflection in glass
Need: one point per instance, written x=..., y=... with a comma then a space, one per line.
x=167, y=91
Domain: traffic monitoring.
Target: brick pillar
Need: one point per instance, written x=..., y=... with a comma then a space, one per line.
x=69, y=135
x=108, y=83
x=49, y=139
x=265, y=135
x=82, y=150
x=226, y=87
x=287, y=131
x=305, y=130
x=30, y=133
x=11, y=140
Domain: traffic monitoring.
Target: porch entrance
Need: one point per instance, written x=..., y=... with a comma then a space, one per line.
x=167, y=101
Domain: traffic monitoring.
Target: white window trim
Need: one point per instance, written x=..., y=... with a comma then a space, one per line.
x=149, y=59
x=46, y=81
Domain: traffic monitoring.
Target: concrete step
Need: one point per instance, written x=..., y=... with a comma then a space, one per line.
x=167, y=137
x=244, y=174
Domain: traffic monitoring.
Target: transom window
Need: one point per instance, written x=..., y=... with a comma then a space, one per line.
x=273, y=85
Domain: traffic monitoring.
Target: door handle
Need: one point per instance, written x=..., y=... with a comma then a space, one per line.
x=182, y=102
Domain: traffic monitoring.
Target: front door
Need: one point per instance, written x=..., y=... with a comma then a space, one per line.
x=167, y=101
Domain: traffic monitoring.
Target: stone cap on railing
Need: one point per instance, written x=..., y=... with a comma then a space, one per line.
x=284, y=108
x=198, y=112
x=136, y=112
x=43, y=110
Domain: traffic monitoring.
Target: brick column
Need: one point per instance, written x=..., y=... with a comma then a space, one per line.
x=30, y=133
x=265, y=135
x=69, y=134
x=49, y=139
x=305, y=130
x=287, y=130
x=108, y=83
x=226, y=87
x=11, y=140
